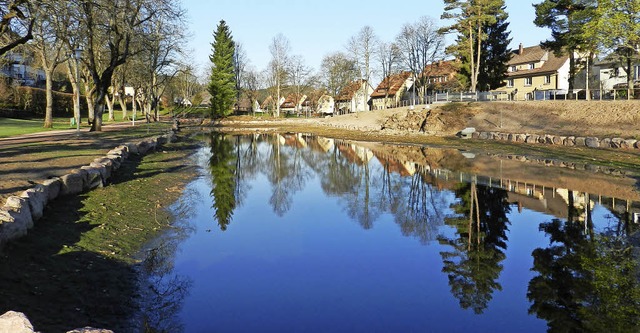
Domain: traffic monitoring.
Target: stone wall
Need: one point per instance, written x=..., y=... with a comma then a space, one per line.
x=569, y=141
x=20, y=212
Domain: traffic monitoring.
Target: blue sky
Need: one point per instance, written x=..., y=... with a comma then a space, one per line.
x=316, y=28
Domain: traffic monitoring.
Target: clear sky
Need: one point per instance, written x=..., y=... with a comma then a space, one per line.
x=317, y=28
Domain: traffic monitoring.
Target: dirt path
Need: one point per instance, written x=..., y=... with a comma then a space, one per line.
x=32, y=158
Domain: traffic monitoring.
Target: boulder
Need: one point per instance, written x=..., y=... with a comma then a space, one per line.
x=570, y=141
x=533, y=138
x=116, y=161
x=94, y=177
x=548, y=139
x=559, y=140
x=581, y=141
x=616, y=142
x=18, y=207
x=592, y=142
x=15, y=322
x=53, y=186
x=629, y=143
x=521, y=137
x=38, y=196
x=72, y=183
x=605, y=143
x=133, y=148
x=484, y=135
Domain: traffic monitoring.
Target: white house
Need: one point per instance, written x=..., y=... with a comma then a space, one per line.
x=354, y=97
x=326, y=105
x=611, y=72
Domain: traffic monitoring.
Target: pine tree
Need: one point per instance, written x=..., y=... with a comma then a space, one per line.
x=471, y=19
x=222, y=84
x=495, y=54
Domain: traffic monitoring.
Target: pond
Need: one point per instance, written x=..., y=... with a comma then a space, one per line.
x=299, y=233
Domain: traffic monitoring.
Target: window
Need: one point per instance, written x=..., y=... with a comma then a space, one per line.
x=636, y=72
x=510, y=83
x=532, y=65
x=528, y=81
x=514, y=68
x=547, y=79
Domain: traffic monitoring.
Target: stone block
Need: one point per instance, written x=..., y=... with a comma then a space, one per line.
x=533, y=138
x=53, y=186
x=581, y=141
x=15, y=322
x=72, y=183
x=94, y=177
x=629, y=143
x=37, y=197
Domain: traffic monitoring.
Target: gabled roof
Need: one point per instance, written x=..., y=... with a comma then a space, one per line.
x=441, y=68
x=391, y=84
x=347, y=93
x=535, y=54
x=267, y=102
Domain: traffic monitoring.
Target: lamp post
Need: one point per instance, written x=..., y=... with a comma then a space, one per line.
x=77, y=54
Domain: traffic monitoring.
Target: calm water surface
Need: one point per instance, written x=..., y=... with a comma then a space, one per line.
x=295, y=233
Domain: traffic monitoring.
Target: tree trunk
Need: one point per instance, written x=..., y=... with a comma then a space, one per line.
x=48, y=115
x=110, y=101
x=629, y=70
x=572, y=73
x=471, y=58
x=75, y=86
x=122, y=100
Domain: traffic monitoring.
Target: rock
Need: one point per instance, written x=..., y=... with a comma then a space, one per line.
x=592, y=142
x=559, y=140
x=616, y=142
x=15, y=322
x=533, y=138
x=605, y=143
x=94, y=177
x=570, y=141
x=580, y=141
x=90, y=330
x=10, y=227
x=72, y=183
x=133, y=148
x=161, y=139
x=18, y=207
x=116, y=161
x=38, y=196
x=521, y=137
x=484, y=135
x=53, y=186
x=548, y=139
x=629, y=143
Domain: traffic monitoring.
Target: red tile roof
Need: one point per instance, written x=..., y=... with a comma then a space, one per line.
x=349, y=91
x=391, y=84
x=535, y=54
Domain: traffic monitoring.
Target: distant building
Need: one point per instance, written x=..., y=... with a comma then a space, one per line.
x=326, y=105
x=440, y=76
x=19, y=67
x=534, y=72
x=392, y=91
x=611, y=73
x=354, y=97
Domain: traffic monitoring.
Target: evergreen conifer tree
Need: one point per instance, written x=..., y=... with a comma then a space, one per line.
x=495, y=54
x=222, y=84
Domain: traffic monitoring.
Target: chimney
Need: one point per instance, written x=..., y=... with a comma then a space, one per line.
x=521, y=49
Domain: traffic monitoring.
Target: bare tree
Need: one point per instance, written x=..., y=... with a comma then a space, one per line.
x=337, y=71
x=361, y=48
x=388, y=55
x=49, y=46
x=239, y=63
x=421, y=44
x=251, y=85
x=278, y=65
x=300, y=76
x=16, y=24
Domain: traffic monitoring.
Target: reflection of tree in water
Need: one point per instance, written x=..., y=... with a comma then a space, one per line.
x=587, y=281
x=222, y=166
x=286, y=173
x=473, y=266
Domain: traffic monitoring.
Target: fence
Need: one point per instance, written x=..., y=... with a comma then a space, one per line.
x=536, y=95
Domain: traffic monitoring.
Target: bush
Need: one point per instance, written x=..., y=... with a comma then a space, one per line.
x=34, y=100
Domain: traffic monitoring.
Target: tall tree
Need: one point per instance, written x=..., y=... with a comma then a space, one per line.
x=300, y=77
x=471, y=17
x=278, y=66
x=239, y=64
x=616, y=28
x=388, y=55
x=567, y=20
x=338, y=70
x=16, y=23
x=495, y=53
x=421, y=43
x=361, y=47
x=222, y=85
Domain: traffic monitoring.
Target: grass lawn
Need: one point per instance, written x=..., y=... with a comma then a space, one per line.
x=12, y=127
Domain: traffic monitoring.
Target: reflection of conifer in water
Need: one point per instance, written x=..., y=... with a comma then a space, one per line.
x=473, y=266
x=222, y=166
x=587, y=281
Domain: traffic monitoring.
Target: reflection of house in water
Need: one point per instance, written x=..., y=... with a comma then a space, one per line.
x=354, y=153
x=392, y=165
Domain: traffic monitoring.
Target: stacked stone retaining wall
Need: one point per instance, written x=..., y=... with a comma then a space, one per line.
x=20, y=212
x=560, y=140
